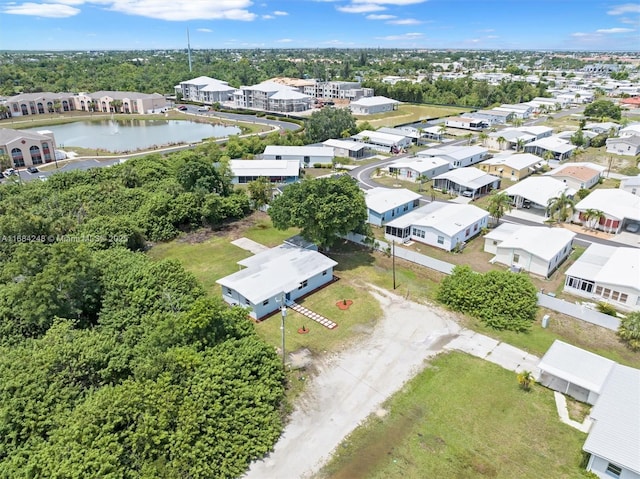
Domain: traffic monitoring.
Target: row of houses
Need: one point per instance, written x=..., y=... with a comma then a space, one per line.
x=628, y=141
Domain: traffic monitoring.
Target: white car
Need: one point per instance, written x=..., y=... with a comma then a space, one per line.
x=632, y=227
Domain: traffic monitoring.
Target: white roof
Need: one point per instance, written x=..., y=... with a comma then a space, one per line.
x=268, y=87
x=469, y=177
x=579, y=367
x=374, y=101
x=265, y=167
x=517, y=161
x=288, y=95
x=613, y=202
x=277, y=270
x=448, y=218
x=385, y=199
x=553, y=143
x=539, y=189
x=512, y=135
x=344, y=144
x=454, y=152
x=420, y=164
x=609, y=265
x=382, y=138
x=539, y=241
x=615, y=434
x=298, y=151
x=632, y=129
x=535, y=130
x=203, y=80
x=630, y=181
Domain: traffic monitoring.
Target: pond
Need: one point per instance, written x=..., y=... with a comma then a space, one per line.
x=131, y=135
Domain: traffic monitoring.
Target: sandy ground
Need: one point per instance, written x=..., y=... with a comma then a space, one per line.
x=352, y=384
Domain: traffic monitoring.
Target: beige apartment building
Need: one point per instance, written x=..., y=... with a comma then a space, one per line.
x=25, y=148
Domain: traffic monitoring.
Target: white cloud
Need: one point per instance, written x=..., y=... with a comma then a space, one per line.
x=390, y=2
x=280, y=13
x=625, y=8
x=284, y=40
x=374, y=16
x=492, y=36
x=180, y=11
x=406, y=36
x=49, y=10
x=364, y=8
x=614, y=30
x=630, y=21
x=204, y=30
x=406, y=21
x=268, y=17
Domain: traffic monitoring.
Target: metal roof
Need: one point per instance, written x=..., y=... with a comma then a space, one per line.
x=448, y=218
x=381, y=199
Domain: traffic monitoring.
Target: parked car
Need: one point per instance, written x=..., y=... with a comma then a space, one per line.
x=632, y=227
x=203, y=108
x=9, y=172
x=42, y=178
x=33, y=169
x=467, y=193
x=182, y=107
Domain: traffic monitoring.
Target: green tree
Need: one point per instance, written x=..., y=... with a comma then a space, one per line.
x=603, y=108
x=593, y=217
x=259, y=192
x=629, y=330
x=329, y=123
x=578, y=138
x=322, y=208
x=499, y=204
x=525, y=380
x=561, y=207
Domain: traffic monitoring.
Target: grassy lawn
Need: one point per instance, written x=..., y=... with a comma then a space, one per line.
x=462, y=417
x=407, y=113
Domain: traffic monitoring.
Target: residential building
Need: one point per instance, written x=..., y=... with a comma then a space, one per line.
x=276, y=171
x=271, y=96
x=508, y=139
x=26, y=148
x=306, y=155
x=442, y=225
x=619, y=207
x=624, y=145
x=417, y=168
x=467, y=123
x=41, y=103
x=536, y=249
x=205, y=89
x=520, y=110
x=631, y=184
x=458, y=156
x=410, y=132
x=613, y=441
x=385, y=204
x=385, y=142
x=340, y=90
x=578, y=175
x=372, y=105
x=632, y=129
x=285, y=272
x=513, y=166
x=493, y=117
x=607, y=273
x=347, y=148
x=536, y=192
x=561, y=149
x=600, y=128
x=469, y=181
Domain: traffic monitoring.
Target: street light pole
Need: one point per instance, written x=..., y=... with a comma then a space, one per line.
x=393, y=261
x=283, y=310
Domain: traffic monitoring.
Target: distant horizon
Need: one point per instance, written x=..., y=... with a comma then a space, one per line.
x=489, y=25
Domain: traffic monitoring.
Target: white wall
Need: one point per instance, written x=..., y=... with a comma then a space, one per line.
x=599, y=465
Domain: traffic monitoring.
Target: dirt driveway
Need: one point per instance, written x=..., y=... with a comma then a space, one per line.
x=352, y=384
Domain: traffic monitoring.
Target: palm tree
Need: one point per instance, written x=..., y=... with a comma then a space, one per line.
x=421, y=180
x=525, y=380
x=483, y=137
x=442, y=129
x=4, y=112
x=517, y=122
x=57, y=106
x=592, y=217
x=549, y=155
x=469, y=136
x=116, y=104
x=501, y=141
x=519, y=144
x=561, y=207
x=499, y=204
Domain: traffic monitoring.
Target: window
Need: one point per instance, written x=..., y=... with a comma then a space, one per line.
x=495, y=242
x=599, y=290
x=516, y=257
x=278, y=157
x=440, y=239
x=405, y=208
x=615, y=295
x=246, y=301
x=468, y=232
x=613, y=470
x=475, y=227
x=229, y=292
x=324, y=273
x=606, y=293
x=265, y=302
x=303, y=284
x=623, y=297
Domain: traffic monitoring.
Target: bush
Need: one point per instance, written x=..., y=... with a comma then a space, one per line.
x=606, y=308
x=629, y=330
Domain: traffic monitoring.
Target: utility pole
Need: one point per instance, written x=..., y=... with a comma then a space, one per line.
x=393, y=261
x=189, y=49
x=283, y=311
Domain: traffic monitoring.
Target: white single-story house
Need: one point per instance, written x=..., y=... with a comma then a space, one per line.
x=536, y=191
x=631, y=184
x=285, y=271
x=468, y=181
x=536, y=130
x=604, y=127
x=607, y=273
x=372, y=105
x=560, y=148
x=276, y=171
x=409, y=132
x=624, y=145
x=386, y=142
x=385, y=204
x=578, y=175
x=520, y=110
x=632, y=129
x=413, y=168
x=574, y=372
x=347, y=148
x=514, y=166
x=536, y=249
x=614, y=439
x=467, y=123
x=620, y=209
x=306, y=155
x=458, y=156
x=443, y=225
x=493, y=117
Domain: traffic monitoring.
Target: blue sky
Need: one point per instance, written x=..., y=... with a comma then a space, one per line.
x=479, y=24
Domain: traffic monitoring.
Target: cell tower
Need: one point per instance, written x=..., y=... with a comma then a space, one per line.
x=189, y=49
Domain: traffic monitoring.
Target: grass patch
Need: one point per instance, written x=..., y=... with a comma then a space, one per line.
x=407, y=113
x=462, y=417
x=577, y=410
